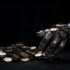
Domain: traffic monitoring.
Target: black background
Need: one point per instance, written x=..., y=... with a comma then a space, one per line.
x=20, y=23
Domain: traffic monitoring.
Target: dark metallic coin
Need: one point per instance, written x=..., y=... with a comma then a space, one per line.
x=9, y=47
x=9, y=51
x=13, y=46
x=25, y=47
x=15, y=56
x=32, y=50
x=63, y=34
x=65, y=29
x=19, y=44
x=24, y=54
x=2, y=48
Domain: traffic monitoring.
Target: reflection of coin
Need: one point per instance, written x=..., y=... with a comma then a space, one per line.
x=24, y=59
x=7, y=59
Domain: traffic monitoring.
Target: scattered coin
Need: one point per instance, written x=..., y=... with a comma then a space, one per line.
x=33, y=47
x=38, y=54
x=63, y=34
x=25, y=59
x=59, y=25
x=7, y=59
x=15, y=56
x=20, y=44
x=24, y=54
x=2, y=53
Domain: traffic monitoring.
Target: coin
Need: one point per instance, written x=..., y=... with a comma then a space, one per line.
x=20, y=44
x=53, y=29
x=15, y=56
x=24, y=54
x=7, y=59
x=2, y=53
x=8, y=51
x=63, y=34
x=33, y=47
x=38, y=54
x=25, y=59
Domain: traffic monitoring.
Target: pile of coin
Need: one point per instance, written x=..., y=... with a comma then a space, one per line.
x=19, y=52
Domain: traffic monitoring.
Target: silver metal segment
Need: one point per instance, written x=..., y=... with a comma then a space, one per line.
x=56, y=51
x=53, y=44
x=69, y=24
x=43, y=43
x=60, y=47
x=42, y=33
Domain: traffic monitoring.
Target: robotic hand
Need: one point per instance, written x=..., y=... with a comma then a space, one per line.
x=54, y=40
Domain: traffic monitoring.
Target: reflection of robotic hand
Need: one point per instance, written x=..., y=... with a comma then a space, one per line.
x=54, y=40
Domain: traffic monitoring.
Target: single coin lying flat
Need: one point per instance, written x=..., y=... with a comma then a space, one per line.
x=7, y=59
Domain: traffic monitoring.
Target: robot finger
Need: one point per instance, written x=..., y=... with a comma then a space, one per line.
x=53, y=45
x=44, y=41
